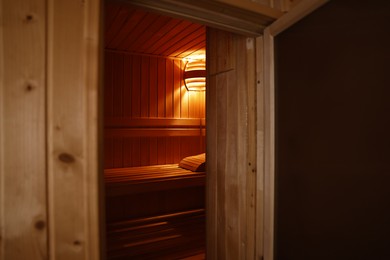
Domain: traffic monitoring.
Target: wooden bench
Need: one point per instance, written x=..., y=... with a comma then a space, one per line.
x=125, y=181
x=147, y=191
x=171, y=236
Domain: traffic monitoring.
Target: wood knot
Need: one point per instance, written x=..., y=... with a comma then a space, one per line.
x=40, y=225
x=29, y=18
x=29, y=87
x=66, y=158
x=76, y=243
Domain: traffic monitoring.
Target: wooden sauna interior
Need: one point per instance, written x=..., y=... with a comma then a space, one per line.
x=154, y=209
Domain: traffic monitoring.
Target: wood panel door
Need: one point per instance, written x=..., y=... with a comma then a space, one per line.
x=231, y=153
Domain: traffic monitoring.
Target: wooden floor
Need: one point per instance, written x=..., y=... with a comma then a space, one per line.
x=173, y=236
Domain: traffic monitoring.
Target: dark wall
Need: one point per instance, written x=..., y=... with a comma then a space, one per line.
x=333, y=134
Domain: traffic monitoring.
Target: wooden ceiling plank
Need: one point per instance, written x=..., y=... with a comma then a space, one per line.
x=127, y=27
x=201, y=46
x=116, y=26
x=180, y=34
x=111, y=12
x=182, y=43
x=158, y=35
x=174, y=31
x=150, y=32
x=137, y=32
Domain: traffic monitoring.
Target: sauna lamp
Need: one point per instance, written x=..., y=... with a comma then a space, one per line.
x=195, y=75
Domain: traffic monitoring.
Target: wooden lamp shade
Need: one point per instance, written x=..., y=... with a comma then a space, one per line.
x=195, y=75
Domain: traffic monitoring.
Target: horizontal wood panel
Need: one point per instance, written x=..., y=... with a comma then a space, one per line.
x=144, y=132
x=140, y=151
x=154, y=122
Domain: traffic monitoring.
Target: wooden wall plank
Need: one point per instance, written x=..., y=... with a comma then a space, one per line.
x=176, y=88
x=108, y=85
x=153, y=151
x=127, y=151
x=153, y=97
x=260, y=147
x=23, y=212
x=169, y=88
x=211, y=158
x=127, y=84
x=108, y=151
x=118, y=151
x=118, y=85
x=121, y=122
x=147, y=94
x=232, y=208
x=136, y=148
x=184, y=96
x=161, y=87
x=145, y=76
x=220, y=171
x=136, y=87
x=161, y=144
x=72, y=130
x=144, y=151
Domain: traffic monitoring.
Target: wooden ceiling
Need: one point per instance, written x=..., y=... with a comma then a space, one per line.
x=131, y=29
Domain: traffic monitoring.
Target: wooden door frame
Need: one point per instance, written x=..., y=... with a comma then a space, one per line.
x=239, y=22
x=304, y=8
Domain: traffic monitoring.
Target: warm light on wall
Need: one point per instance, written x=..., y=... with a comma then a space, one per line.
x=195, y=75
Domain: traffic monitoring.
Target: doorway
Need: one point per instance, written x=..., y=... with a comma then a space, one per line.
x=154, y=140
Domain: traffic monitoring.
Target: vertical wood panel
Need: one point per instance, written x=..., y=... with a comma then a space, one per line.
x=169, y=88
x=184, y=95
x=127, y=152
x=118, y=152
x=221, y=164
x=176, y=88
x=232, y=146
x=211, y=158
x=108, y=85
x=108, y=152
x=153, y=97
x=169, y=150
x=136, y=149
x=269, y=145
x=161, y=150
x=23, y=213
x=136, y=87
x=144, y=151
x=260, y=147
x=161, y=87
x=145, y=75
x=176, y=149
x=72, y=127
x=118, y=85
x=153, y=151
x=127, y=84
